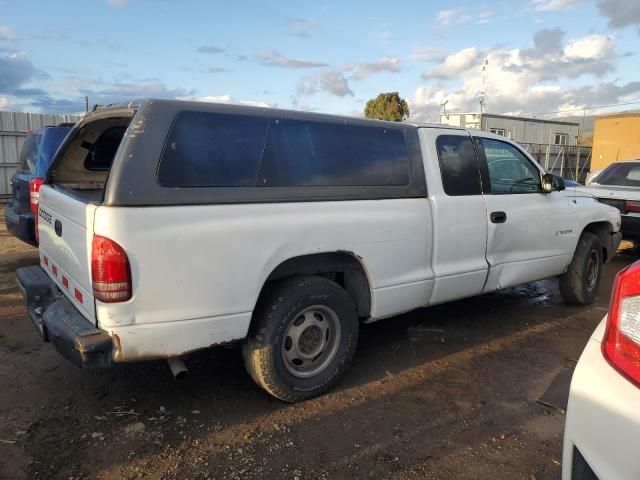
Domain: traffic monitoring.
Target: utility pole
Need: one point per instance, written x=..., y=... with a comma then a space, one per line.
x=86, y=103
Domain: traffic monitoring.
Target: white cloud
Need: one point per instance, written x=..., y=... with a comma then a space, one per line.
x=210, y=49
x=554, y=5
x=4, y=103
x=485, y=16
x=385, y=64
x=591, y=47
x=273, y=58
x=445, y=17
x=5, y=32
x=427, y=53
x=523, y=81
x=116, y=3
x=621, y=13
x=300, y=27
x=386, y=36
x=331, y=80
x=455, y=63
x=229, y=99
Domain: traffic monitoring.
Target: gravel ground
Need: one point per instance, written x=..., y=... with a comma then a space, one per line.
x=444, y=392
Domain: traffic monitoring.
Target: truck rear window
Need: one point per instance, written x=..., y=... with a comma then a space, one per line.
x=218, y=150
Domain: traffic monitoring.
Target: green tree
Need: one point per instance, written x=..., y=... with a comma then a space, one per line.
x=387, y=106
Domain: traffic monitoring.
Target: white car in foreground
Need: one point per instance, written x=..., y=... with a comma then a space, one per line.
x=602, y=431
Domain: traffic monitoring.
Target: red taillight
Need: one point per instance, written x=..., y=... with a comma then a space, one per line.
x=632, y=206
x=621, y=342
x=34, y=197
x=34, y=194
x=110, y=272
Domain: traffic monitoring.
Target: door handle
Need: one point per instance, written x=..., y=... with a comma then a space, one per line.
x=57, y=226
x=498, y=217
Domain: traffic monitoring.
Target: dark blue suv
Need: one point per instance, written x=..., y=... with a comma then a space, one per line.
x=35, y=157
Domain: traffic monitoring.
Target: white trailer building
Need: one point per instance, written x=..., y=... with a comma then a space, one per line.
x=519, y=129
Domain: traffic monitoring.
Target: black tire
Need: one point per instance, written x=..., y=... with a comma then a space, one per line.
x=298, y=304
x=579, y=284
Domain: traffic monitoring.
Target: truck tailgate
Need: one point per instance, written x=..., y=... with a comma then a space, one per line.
x=66, y=231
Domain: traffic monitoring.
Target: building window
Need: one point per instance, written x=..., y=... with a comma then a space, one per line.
x=562, y=138
x=499, y=131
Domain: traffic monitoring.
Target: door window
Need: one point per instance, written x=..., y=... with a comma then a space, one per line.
x=458, y=165
x=510, y=171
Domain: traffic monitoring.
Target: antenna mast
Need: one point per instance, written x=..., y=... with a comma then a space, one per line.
x=444, y=109
x=483, y=104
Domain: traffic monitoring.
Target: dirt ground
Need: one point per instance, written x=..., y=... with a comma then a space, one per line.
x=441, y=393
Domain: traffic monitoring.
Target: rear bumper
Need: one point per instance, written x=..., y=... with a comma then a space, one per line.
x=60, y=323
x=20, y=225
x=630, y=226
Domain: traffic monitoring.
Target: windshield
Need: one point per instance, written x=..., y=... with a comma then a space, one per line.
x=622, y=174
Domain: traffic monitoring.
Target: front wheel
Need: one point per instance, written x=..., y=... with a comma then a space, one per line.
x=302, y=339
x=579, y=284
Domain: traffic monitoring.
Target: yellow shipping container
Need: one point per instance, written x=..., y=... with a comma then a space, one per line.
x=616, y=138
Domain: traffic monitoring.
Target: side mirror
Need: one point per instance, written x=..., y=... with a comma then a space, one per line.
x=552, y=183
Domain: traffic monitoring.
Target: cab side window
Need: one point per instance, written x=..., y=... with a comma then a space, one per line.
x=458, y=165
x=510, y=171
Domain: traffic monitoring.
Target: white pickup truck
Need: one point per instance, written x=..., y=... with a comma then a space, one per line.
x=167, y=227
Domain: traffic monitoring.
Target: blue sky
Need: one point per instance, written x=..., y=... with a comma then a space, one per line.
x=541, y=55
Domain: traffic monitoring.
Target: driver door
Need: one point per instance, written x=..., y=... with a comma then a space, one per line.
x=531, y=234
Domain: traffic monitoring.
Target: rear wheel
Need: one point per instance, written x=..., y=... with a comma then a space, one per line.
x=579, y=284
x=303, y=337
